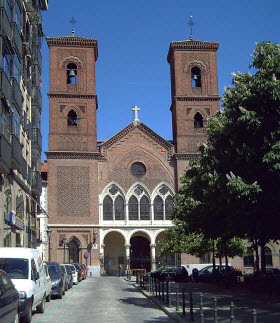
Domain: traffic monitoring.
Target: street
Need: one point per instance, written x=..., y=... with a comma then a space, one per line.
x=104, y=299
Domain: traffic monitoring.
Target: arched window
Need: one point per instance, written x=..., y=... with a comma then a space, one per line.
x=133, y=208
x=72, y=119
x=168, y=207
x=119, y=208
x=268, y=257
x=144, y=208
x=107, y=208
x=196, y=77
x=198, y=121
x=72, y=73
x=248, y=259
x=158, y=208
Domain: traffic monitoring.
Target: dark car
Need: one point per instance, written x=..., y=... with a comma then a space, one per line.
x=80, y=272
x=69, y=278
x=174, y=273
x=272, y=273
x=57, y=279
x=9, y=299
x=207, y=274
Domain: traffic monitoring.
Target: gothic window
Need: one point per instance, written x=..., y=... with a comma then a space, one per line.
x=107, y=208
x=138, y=169
x=248, y=259
x=158, y=208
x=268, y=257
x=144, y=208
x=119, y=208
x=133, y=208
x=168, y=207
x=196, y=77
x=198, y=121
x=72, y=119
x=72, y=73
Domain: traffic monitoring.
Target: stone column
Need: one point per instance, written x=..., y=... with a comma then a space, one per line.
x=127, y=256
x=153, y=256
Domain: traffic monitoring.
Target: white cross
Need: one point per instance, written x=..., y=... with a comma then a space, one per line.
x=135, y=109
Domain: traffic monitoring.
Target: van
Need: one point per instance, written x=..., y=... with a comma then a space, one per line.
x=26, y=270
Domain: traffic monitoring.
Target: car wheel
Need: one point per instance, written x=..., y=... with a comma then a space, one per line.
x=28, y=317
x=16, y=318
x=63, y=293
x=48, y=298
x=41, y=307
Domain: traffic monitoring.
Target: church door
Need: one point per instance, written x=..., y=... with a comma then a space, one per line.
x=140, y=253
x=74, y=252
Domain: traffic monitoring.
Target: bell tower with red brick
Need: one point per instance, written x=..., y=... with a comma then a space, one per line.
x=73, y=153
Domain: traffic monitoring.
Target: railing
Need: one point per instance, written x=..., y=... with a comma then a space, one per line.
x=135, y=272
x=16, y=152
x=36, y=182
x=17, y=94
x=36, y=97
x=5, y=155
x=36, y=139
x=5, y=86
x=5, y=25
x=16, y=39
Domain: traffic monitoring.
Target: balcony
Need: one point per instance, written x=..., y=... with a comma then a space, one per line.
x=37, y=56
x=36, y=139
x=23, y=168
x=5, y=155
x=17, y=96
x=16, y=152
x=5, y=86
x=5, y=25
x=36, y=97
x=17, y=42
x=36, y=183
x=29, y=175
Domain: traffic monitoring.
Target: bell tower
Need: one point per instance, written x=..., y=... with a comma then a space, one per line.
x=194, y=91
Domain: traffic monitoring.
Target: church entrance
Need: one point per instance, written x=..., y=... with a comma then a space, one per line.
x=114, y=253
x=140, y=257
x=74, y=251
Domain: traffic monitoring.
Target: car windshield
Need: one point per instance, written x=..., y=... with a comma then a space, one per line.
x=54, y=269
x=73, y=269
x=16, y=268
x=63, y=269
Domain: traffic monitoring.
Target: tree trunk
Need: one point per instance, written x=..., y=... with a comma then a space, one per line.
x=213, y=251
x=257, y=262
x=263, y=257
x=226, y=255
x=220, y=259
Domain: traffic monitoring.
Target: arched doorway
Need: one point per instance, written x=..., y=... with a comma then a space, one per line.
x=114, y=253
x=74, y=250
x=140, y=252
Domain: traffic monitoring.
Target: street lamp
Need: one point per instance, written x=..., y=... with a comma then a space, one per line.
x=49, y=234
x=64, y=244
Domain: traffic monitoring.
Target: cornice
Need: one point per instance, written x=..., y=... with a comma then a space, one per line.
x=197, y=98
x=74, y=155
x=72, y=95
x=179, y=156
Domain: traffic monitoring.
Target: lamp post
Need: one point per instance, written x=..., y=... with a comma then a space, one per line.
x=49, y=234
x=64, y=243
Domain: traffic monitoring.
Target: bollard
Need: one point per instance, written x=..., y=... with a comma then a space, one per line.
x=159, y=290
x=137, y=278
x=156, y=287
x=231, y=313
x=201, y=309
x=191, y=307
x=169, y=297
x=162, y=290
x=215, y=310
x=177, y=298
x=254, y=316
x=184, y=304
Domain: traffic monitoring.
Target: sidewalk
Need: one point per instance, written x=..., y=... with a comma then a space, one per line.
x=267, y=309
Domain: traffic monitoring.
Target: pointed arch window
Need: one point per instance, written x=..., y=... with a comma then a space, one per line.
x=163, y=204
x=198, y=121
x=158, y=208
x=144, y=208
x=72, y=119
x=72, y=74
x=168, y=207
x=107, y=208
x=133, y=208
x=119, y=208
x=196, y=77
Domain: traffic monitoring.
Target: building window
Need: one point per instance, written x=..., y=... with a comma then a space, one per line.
x=107, y=208
x=7, y=210
x=7, y=6
x=20, y=206
x=163, y=204
x=248, y=259
x=158, y=208
x=6, y=61
x=16, y=69
x=17, y=15
x=5, y=123
x=72, y=73
x=133, y=208
x=196, y=77
x=138, y=170
x=119, y=208
x=113, y=205
x=198, y=121
x=72, y=119
x=16, y=123
x=144, y=208
x=168, y=207
x=268, y=257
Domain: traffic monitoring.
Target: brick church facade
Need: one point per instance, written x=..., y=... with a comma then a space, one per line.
x=111, y=201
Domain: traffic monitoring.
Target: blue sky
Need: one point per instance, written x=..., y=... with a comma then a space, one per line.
x=133, y=40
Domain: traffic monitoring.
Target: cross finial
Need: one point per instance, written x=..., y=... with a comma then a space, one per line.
x=191, y=23
x=73, y=21
x=135, y=109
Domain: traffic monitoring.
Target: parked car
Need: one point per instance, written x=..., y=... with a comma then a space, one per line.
x=25, y=268
x=57, y=279
x=207, y=274
x=9, y=299
x=174, y=273
x=48, y=283
x=74, y=273
x=272, y=273
x=80, y=272
x=84, y=271
x=68, y=276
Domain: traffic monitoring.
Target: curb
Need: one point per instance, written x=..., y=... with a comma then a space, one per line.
x=176, y=317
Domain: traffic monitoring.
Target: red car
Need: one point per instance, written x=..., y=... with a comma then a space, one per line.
x=84, y=272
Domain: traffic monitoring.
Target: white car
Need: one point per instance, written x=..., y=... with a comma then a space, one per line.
x=74, y=273
x=48, y=283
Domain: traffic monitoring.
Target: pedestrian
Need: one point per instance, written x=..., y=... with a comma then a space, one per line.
x=158, y=264
x=120, y=270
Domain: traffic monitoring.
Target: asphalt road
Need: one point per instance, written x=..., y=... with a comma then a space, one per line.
x=104, y=299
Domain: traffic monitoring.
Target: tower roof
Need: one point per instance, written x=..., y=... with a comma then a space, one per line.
x=192, y=45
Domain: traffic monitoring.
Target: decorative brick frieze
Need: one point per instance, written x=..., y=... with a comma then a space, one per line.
x=73, y=155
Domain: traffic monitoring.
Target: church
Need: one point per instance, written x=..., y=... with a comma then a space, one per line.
x=109, y=202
